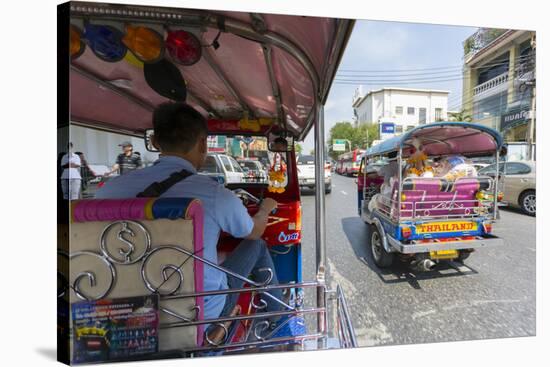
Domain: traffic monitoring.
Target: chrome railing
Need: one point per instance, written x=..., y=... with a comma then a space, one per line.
x=258, y=331
x=436, y=209
x=346, y=332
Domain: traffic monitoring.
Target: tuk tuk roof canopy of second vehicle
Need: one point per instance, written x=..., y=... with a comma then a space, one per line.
x=443, y=138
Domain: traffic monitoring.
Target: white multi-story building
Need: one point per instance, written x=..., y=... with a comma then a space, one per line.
x=405, y=107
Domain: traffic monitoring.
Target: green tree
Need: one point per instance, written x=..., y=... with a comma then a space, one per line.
x=364, y=134
x=459, y=116
x=340, y=130
x=358, y=137
x=312, y=152
x=298, y=148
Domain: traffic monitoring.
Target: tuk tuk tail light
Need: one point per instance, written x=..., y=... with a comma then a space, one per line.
x=488, y=227
x=500, y=196
x=406, y=232
x=403, y=197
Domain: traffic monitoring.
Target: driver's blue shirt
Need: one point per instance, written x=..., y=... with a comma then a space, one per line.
x=223, y=211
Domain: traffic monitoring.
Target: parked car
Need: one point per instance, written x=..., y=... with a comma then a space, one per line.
x=223, y=168
x=253, y=169
x=480, y=166
x=519, y=184
x=306, y=173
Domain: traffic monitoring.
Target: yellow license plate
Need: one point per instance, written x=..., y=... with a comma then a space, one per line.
x=440, y=227
x=444, y=254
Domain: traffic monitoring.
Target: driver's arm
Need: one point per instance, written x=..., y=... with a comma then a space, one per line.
x=261, y=218
x=233, y=216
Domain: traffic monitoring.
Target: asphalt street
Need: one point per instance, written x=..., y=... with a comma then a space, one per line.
x=491, y=296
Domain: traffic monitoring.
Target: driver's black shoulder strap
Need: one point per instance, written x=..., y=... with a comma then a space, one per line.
x=156, y=189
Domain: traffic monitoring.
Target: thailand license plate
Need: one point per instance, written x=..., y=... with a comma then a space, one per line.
x=444, y=254
x=442, y=227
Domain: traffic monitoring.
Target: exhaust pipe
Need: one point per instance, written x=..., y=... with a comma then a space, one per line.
x=425, y=265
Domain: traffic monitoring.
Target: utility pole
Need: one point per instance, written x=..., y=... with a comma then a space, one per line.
x=531, y=136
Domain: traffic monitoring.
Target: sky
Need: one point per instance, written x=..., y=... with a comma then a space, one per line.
x=390, y=46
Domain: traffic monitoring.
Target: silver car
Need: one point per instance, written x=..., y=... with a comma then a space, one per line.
x=518, y=183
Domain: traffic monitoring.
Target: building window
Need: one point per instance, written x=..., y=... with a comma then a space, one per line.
x=422, y=116
x=398, y=129
x=410, y=110
x=438, y=114
x=399, y=110
x=410, y=127
x=490, y=106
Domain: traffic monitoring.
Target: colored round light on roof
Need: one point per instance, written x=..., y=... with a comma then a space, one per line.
x=105, y=42
x=184, y=47
x=133, y=60
x=76, y=46
x=145, y=43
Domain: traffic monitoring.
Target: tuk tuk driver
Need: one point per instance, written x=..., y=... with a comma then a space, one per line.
x=180, y=133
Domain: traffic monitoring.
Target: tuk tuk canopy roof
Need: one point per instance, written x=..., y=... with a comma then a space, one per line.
x=442, y=138
x=268, y=67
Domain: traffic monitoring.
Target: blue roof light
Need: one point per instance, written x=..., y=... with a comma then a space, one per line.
x=105, y=42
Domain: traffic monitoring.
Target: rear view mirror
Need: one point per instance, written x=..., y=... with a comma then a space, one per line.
x=148, y=143
x=280, y=143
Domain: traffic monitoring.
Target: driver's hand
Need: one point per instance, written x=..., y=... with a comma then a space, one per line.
x=268, y=204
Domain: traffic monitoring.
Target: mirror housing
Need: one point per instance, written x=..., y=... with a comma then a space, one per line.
x=148, y=143
x=279, y=143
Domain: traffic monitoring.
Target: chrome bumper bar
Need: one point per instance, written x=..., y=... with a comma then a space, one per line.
x=479, y=242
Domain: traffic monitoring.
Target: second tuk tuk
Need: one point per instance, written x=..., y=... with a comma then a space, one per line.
x=424, y=200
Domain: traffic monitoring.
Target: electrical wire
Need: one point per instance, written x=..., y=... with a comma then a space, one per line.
x=450, y=69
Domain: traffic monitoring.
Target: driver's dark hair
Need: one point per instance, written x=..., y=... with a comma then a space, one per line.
x=178, y=127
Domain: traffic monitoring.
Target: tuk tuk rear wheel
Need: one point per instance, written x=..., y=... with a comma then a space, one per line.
x=463, y=255
x=381, y=257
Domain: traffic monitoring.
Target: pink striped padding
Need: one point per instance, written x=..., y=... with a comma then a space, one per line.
x=110, y=209
x=195, y=212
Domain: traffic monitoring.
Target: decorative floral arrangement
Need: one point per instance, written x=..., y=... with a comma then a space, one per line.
x=417, y=161
x=417, y=157
x=277, y=175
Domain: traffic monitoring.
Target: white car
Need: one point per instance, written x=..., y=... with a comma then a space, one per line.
x=306, y=173
x=222, y=167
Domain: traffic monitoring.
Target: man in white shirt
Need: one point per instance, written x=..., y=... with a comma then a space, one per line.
x=70, y=178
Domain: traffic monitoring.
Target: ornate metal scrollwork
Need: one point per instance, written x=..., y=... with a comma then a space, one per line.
x=261, y=306
x=221, y=341
x=130, y=246
x=260, y=328
x=91, y=277
x=164, y=271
